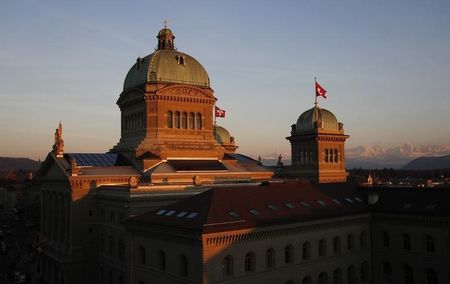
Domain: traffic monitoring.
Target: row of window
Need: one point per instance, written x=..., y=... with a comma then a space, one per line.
x=331, y=156
x=408, y=274
x=429, y=242
x=184, y=120
x=288, y=254
x=133, y=121
x=338, y=277
x=161, y=261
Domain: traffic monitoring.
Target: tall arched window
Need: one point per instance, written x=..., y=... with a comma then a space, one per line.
x=322, y=247
x=161, y=260
x=250, y=262
x=336, y=245
x=191, y=120
x=387, y=272
x=270, y=258
x=169, y=119
x=227, y=266
x=288, y=254
x=429, y=243
x=406, y=242
x=350, y=242
x=336, y=156
x=386, y=242
x=184, y=120
x=363, y=239
x=177, y=119
x=199, y=122
x=408, y=274
x=121, y=250
x=111, y=245
x=301, y=156
x=364, y=272
x=323, y=278
x=142, y=255
x=337, y=276
x=431, y=276
x=183, y=265
x=326, y=156
x=351, y=274
x=306, y=250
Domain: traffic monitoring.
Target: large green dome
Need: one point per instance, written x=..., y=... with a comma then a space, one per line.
x=166, y=65
x=317, y=118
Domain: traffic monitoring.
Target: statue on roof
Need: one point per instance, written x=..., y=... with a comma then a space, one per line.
x=58, y=147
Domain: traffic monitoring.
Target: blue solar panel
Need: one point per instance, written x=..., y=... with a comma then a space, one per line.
x=95, y=159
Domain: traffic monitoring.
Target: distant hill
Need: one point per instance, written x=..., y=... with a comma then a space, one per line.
x=429, y=163
x=8, y=164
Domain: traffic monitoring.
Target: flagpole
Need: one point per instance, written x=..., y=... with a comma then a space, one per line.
x=315, y=92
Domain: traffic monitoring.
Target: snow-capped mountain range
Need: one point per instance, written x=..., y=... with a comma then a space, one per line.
x=376, y=156
x=395, y=157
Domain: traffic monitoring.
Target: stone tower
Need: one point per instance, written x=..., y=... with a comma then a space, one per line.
x=317, y=147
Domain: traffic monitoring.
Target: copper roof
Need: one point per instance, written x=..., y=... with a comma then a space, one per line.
x=245, y=207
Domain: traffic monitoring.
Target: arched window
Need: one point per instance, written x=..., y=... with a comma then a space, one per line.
x=270, y=258
x=183, y=265
x=111, y=245
x=227, y=266
x=301, y=156
x=169, y=119
x=322, y=247
x=307, y=280
x=307, y=157
x=306, y=250
x=386, y=242
x=199, y=122
x=363, y=239
x=142, y=255
x=387, y=272
x=184, y=120
x=336, y=245
x=121, y=250
x=323, y=278
x=351, y=274
x=177, y=119
x=431, y=276
x=102, y=242
x=408, y=274
x=288, y=254
x=337, y=276
x=364, y=272
x=429, y=243
x=330, y=155
x=336, y=156
x=406, y=242
x=350, y=242
x=191, y=120
x=161, y=260
x=250, y=262
x=326, y=156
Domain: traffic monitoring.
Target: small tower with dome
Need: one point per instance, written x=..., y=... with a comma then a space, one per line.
x=318, y=147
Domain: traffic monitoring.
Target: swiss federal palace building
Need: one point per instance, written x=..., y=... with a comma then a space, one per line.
x=174, y=202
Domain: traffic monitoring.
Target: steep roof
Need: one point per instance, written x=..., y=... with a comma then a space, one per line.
x=245, y=207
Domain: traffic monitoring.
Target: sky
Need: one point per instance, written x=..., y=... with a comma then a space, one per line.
x=385, y=65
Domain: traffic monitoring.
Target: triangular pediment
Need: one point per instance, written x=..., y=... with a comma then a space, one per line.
x=53, y=169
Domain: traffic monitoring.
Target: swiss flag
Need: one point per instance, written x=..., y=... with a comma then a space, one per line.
x=220, y=112
x=320, y=92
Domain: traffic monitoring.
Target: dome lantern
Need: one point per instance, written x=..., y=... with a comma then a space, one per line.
x=165, y=38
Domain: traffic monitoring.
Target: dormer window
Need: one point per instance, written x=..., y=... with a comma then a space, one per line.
x=181, y=59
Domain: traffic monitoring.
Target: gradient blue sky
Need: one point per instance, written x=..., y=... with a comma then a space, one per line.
x=385, y=64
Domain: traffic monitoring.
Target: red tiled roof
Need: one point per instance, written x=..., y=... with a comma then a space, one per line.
x=276, y=203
